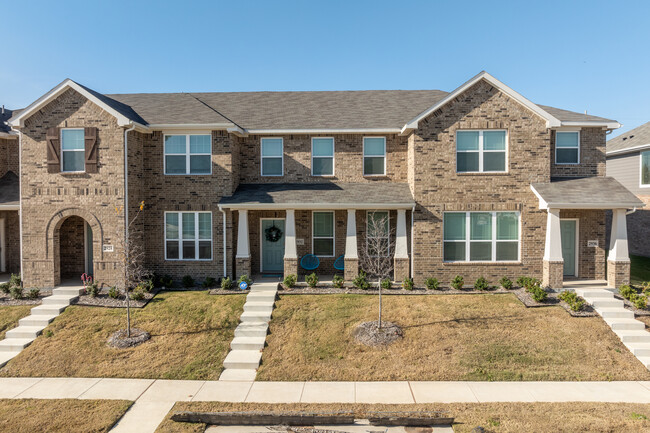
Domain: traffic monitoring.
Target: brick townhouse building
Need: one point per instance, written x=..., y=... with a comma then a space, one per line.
x=476, y=182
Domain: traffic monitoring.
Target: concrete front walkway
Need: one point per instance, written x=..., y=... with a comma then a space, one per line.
x=154, y=398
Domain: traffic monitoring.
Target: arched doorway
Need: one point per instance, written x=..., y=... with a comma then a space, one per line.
x=75, y=248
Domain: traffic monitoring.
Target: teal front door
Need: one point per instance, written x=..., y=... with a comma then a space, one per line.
x=568, y=232
x=272, y=246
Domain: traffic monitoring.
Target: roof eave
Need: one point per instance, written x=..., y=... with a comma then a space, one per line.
x=315, y=206
x=325, y=131
x=543, y=204
x=632, y=149
x=593, y=124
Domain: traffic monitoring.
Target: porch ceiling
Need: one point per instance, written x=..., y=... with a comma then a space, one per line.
x=9, y=191
x=585, y=193
x=321, y=195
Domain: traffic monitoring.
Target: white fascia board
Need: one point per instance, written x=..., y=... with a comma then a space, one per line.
x=542, y=202
x=325, y=131
x=9, y=207
x=19, y=120
x=628, y=150
x=604, y=206
x=551, y=121
x=592, y=124
x=316, y=206
x=189, y=126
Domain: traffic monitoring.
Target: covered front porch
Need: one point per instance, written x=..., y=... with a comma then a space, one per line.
x=575, y=230
x=283, y=229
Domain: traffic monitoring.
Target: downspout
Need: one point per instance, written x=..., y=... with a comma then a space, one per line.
x=20, y=203
x=225, y=254
x=630, y=212
x=412, y=242
x=126, y=180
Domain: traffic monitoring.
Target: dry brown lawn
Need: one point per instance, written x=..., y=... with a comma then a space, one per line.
x=494, y=417
x=70, y=416
x=191, y=334
x=446, y=337
x=9, y=317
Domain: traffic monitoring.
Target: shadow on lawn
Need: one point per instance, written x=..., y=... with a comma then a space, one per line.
x=475, y=320
x=197, y=331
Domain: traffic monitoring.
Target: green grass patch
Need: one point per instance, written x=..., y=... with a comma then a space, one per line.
x=639, y=269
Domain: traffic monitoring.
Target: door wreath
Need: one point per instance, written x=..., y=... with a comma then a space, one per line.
x=273, y=234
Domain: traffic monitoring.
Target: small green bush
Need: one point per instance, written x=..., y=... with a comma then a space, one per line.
x=188, y=281
x=574, y=302
x=386, y=284
x=524, y=281
x=626, y=291
x=506, y=283
x=361, y=281
x=407, y=284
x=290, y=280
x=245, y=278
x=34, y=293
x=209, y=283
x=148, y=285
x=4, y=288
x=645, y=288
x=138, y=294
x=312, y=280
x=92, y=290
x=226, y=283
x=16, y=292
x=432, y=283
x=640, y=301
x=481, y=284
x=167, y=281
x=14, y=280
x=338, y=281
x=113, y=293
x=458, y=282
x=535, y=289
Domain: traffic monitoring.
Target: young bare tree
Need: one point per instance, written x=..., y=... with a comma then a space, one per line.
x=131, y=261
x=376, y=258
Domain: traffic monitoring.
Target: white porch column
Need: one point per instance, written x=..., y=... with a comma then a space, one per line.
x=618, y=251
x=243, y=243
x=351, y=236
x=553, y=246
x=401, y=250
x=290, y=250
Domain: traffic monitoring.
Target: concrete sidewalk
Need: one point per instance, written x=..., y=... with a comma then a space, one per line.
x=154, y=398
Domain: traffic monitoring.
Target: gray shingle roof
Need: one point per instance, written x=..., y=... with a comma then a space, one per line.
x=572, y=116
x=594, y=192
x=639, y=136
x=4, y=117
x=9, y=193
x=304, y=194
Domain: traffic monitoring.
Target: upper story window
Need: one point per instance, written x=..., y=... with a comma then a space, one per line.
x=374, y=156
x=188, y=154
x=481, y=151
x=645, y=168
x=188, y=236
x=322, y=156
x=272, y=157
x=72, y=150
x=567, y=147
x=323, y=234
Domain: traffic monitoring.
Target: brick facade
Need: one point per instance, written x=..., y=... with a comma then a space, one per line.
x=8, y=156
x=592, y=155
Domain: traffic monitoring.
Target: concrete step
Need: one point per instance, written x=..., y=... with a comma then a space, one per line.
x=260, y=297
x=68, y=291
x=634, y=336
x=594, y=293
x=24, y=332
x=238, y=375
x=639, y=349
x=607, y=303
x=615, y=313
x=263, y=307
x=38, y=320
x=252, y=329
x=645, y=360
x=248, y=343
x=255, y=316
x=48, y=310
x=243, y=359
x=7, y=356
x=62, y=300
x=14, y=344
x=625, y=324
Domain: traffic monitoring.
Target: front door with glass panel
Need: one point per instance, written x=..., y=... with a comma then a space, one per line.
x=568, y=230
x=272, y=245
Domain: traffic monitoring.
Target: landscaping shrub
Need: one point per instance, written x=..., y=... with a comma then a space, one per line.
x=312, y=280
x=432, y=283
x=290, y=280
x=575, y=302
x=167, y=281
x=33, y=293
x=506, y=283
x=245, y=278
x=209, y=283
x=338, y=281
x=458, y=282
x=92, y=290
x=386, y=284
x=481, y=284
x=407, y=284
x=148, y=285
x=640, y=301
x=645, y=288
x=226, y=283
x=137, y=294
x=361, y=281
x=113, y=293
x=14, y=280
x=4, y=287
x=534, y=287
x=523, y=281
x=16, y=292
x=188, y=281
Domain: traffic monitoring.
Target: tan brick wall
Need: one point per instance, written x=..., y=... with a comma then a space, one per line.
x=12, y=241
x=8, y=155
x=618, y=274
x=552, y=274
x=592, y=155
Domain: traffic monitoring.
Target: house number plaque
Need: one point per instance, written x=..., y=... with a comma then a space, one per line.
x=107, y=248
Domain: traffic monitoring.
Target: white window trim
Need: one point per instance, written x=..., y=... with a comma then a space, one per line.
x=494, y=239
x=641, y=184
x=187, y=155
x=323, y=157
x=481, y=151
x=262, y=157
x=196, y=239
x=368, y=231
x=72, y=150
x=373, y=156
x=333, y=237
x=567, y=163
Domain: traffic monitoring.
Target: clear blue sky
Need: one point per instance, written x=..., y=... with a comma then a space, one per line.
x=591, y=55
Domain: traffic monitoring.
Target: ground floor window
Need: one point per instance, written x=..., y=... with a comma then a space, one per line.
x=188, y=235
x=323, y=234
x=481, y=236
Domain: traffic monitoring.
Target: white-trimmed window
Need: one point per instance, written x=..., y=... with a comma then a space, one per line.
x=378, y=233
x=481, y=236
x=323, y=234
x=272, y=156
x=374, y=156
x=481, y=151
x=322, y=156
x=188, y=235
x=567, y=147
x=73, y=150
x=188, y=154
x=645, y=168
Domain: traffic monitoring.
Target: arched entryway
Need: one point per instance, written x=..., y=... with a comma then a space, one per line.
x=75, y=248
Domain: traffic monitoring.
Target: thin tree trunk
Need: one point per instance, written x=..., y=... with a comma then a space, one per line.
x=128, y=315
x=380, y=303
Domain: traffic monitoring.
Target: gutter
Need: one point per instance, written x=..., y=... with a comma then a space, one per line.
x=225, y=254
x=20, y=203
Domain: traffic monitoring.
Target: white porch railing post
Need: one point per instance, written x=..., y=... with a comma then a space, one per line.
x=553, y=245
x=290, y=250
x=618, y=250
x=243, y=243
x=351, y=251
x=401, y=249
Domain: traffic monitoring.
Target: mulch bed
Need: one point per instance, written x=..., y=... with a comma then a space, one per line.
x=119, y=340
x=330, y=290
x=527, y=299
x=103, y=300
x=8, y=301
x=228, y=292
x=369, y=334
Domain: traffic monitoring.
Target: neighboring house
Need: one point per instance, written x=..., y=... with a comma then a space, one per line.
x=9, y=195
x=476, y=182
x=628, y=161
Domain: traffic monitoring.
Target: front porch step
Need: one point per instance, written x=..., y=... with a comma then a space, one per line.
x=625, y=324
x=68, y=291
x=634, y=336
x=252, y=329
x=248, y=343
x=261, y=297
x=607, y=303
x=615, y=313
x=25, y=332
x=255, y=316
x=14, y=344
x=243, y=359
x=236, y=375
x=48, y=310
x=594, y=293
x=262, y=307
x=62, y=300
x=38, y=320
